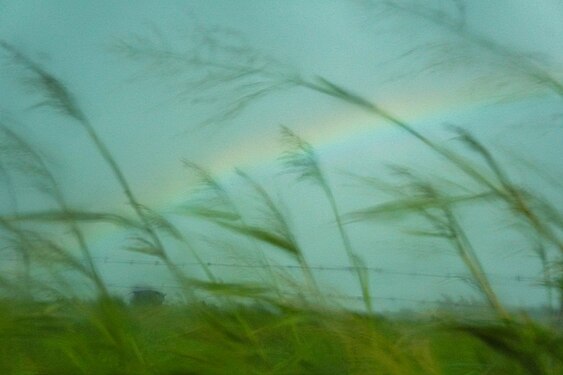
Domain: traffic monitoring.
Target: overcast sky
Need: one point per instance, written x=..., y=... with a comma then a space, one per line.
x=419, y=71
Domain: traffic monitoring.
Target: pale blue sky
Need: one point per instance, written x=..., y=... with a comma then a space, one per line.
x=371, y=53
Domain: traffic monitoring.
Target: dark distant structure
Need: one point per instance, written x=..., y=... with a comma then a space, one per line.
x=147, y=297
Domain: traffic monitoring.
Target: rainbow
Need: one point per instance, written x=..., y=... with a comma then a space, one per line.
x=326, y=135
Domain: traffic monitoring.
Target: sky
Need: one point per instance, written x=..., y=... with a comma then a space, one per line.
x=152, y=119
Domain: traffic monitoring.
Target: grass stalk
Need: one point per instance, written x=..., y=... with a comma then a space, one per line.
x=469, y=257
x=220, y=196
x=57, y=96
x=281, y=225
x=54, y=191
x=302, y=159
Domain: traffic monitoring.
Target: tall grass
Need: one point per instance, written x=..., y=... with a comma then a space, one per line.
x=285, y=326
x=302, y=160
x=30, y=162
x=55, y=95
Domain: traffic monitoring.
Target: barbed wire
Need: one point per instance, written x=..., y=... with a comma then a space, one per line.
x=445, y=302
x=379, y=270
x=505, y=279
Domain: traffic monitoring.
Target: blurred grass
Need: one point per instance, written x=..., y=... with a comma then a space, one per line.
x=226, y=327
x=109, y=337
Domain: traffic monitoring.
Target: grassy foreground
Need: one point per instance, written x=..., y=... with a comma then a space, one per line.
x=109, y=337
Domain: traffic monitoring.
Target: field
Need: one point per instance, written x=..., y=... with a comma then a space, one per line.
x=108, y=337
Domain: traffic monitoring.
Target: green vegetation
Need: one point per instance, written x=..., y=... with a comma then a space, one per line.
x=108, y=337
x=283, y=325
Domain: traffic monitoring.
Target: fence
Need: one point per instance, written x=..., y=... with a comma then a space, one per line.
x=519, y=281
